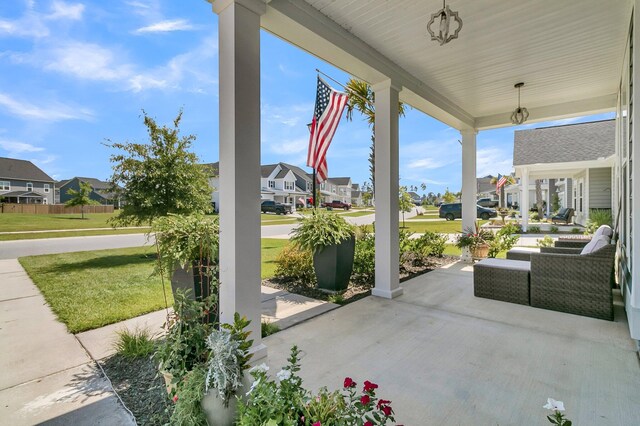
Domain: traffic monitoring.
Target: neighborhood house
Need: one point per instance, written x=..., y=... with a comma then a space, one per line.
x=22, y=182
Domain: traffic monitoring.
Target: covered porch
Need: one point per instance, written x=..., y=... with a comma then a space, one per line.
x=467, y=84
x=446, y=357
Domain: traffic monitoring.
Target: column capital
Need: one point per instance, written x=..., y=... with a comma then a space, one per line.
x=259, y=7
x=386, y=84
x=468, y=132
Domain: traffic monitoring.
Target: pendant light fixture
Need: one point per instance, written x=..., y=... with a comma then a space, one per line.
x=446, y=15
x=520, y=114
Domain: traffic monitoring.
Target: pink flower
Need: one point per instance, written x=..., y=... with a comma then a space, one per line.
x=349, y=383
x=382, y=402
x=175, y=398
x=365, y=399
x=368, y=386
x=317, y=424
x=368, y=423
x=386, y=410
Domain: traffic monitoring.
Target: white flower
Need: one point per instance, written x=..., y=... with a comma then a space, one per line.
x=283, y=375
x=554, y=405
x=262, y=367
x=253, y=386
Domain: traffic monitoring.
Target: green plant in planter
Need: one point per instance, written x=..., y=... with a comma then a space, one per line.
x=188, y=243
x=332, y=241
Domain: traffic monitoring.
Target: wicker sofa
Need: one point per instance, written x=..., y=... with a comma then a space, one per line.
x=574, y=283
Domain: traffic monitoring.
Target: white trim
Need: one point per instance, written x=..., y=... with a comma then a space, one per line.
x=29, y=184
x=3, y=186
x=47, y=188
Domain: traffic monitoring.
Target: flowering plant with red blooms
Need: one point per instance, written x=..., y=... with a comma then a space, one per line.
x=364, y=408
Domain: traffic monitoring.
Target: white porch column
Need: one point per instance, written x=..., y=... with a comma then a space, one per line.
x=387, y=190
x=469, y=184
x=524, y=206
x=239, y=44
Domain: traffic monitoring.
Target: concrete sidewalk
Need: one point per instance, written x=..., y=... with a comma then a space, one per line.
x=46, y=375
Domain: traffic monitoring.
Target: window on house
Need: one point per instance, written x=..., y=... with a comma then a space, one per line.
x=29, y=186
x=5, y=185
x=309, y=186
x=272, y=184
x=47, y=188
x=288, y=186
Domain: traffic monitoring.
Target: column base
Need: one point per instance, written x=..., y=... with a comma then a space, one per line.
x=259, y=353
x=387, y=294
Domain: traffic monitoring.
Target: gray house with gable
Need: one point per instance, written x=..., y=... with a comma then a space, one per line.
x=578, y=159
x=23, y=182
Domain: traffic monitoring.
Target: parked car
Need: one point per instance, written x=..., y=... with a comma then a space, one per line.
x=453, y=211
x=337, y=204
x=270, y=206
x=488, y=203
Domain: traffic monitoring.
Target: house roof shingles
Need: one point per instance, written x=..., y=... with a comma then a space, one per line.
x=564, y=144
x=11, y=168
x=340, y=180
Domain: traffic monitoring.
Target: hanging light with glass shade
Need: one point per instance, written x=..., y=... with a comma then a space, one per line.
x=446, y=16
x=520, y=114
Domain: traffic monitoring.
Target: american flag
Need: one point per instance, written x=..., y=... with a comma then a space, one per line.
x=326, y=116
x=501, y=181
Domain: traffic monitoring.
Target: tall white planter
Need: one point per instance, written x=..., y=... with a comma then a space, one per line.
x=219, y=415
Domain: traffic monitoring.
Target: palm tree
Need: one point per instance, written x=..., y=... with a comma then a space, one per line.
x=362, y=98
x=510, y=180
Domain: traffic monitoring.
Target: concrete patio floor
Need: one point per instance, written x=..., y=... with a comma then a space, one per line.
x=446, y=357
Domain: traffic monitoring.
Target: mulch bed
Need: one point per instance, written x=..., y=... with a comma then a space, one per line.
x=140, y=387
x=357, y=291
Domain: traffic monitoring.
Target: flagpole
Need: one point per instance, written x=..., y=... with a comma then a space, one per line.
x=314, y=198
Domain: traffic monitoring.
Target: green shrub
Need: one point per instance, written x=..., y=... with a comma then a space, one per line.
x=188, y=410
x=268, y=328
x=534, y=216
x=321, y=229
x=511, y=228
x=134, y=344
x=575, y=230
x=553, y=229
x=338, y=299
x=295, y=263
x=364, y=260
x=429, y=244
x=598, y=217
x=533, y=230
x=547, y=241
x=504, y=240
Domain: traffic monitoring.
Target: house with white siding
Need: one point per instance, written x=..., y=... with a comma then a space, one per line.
x=575, y=159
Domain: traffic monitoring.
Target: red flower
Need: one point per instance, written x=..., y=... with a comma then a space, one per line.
x=386, y=410
x=364, y=399
x=349, y=383
x=368, y=423
x=317, y=424
x=382, y=402
x=368, y=386
x=175, y=398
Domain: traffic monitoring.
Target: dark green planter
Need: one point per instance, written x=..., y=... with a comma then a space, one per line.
x=334, y=264
x=196, y=285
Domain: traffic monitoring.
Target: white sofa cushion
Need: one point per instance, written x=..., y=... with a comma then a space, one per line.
x=595, y=244
x=603, y=230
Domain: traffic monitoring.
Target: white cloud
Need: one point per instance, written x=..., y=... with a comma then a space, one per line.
x=493, y=160
x=15, y=147
x=62, y=10
x=427, y=163
x=166, y=26
x=87, y=61
x=290, y=146
x=52, y=112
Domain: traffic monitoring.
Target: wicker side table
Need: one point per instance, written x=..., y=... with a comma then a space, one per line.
x=502, y=279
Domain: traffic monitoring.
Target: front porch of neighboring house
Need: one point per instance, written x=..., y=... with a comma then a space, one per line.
x=467, y=84
x=23, y=197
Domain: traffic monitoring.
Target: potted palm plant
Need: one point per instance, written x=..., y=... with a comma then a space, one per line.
x=332, y=241
x=188, y=249
x=476, y=240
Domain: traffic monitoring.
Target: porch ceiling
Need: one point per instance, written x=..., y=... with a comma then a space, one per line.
x=568, y=53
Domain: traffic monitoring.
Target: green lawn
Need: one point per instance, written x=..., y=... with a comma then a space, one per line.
x=87, y=290
x=14, y=222
x=275, y=219
x=358, y=213
x=441, y=226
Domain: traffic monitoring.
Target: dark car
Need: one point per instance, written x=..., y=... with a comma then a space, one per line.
x=487, y=202
x=270, y=206
x=454, y=211
x=337, y=204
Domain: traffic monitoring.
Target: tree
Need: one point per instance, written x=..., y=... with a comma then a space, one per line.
x=362, y=99
x=159, y=177
x=448, y=197
x=510, y=181
x=81, y=197
x=539, y=201
x=404, y=202
x=423, y=186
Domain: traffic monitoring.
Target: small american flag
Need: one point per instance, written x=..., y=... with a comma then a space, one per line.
x=501, y=181
x=326, y=116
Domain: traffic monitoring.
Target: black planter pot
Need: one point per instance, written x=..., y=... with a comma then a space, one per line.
x=195, y=283
x=334, y=264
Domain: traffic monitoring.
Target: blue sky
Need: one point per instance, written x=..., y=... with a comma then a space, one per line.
x=76, y=73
